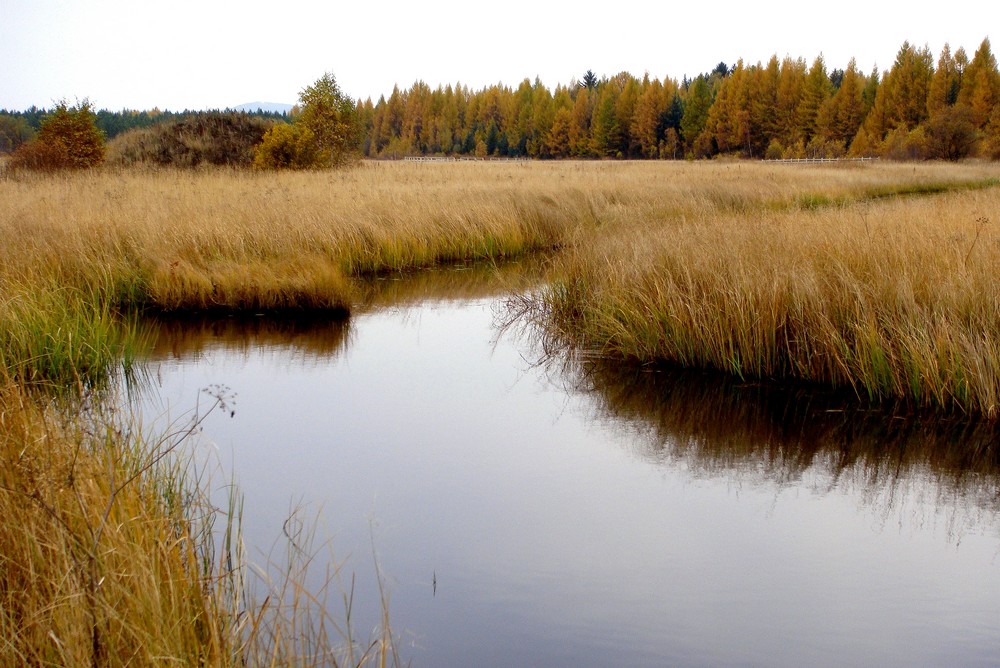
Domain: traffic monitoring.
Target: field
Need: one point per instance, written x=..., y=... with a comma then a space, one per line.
x=878, y=278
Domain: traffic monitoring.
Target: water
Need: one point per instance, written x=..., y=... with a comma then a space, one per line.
x=571, y=514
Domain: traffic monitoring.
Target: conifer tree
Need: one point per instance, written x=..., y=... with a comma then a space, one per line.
x=816, y=90
x=696, y=107
x=980, y=88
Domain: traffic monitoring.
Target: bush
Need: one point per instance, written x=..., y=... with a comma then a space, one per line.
x=774, y=150
x=904, y=144
x=67, y=139
x=288, y=147
x=214, y=138
x=952, y=133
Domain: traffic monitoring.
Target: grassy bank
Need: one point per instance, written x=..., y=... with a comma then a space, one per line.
x=895, y=297
x=105, y=556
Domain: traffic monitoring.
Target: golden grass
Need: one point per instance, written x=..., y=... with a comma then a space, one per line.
x=237, y=240
x=103, y=562
x=112, y=555
x=895, y=297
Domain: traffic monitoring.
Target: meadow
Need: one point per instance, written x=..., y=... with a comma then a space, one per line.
x=876, y=278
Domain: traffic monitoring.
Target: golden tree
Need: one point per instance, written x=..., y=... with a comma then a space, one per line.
x=67, y=139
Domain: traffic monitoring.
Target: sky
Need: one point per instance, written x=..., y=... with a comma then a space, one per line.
x=213, y=54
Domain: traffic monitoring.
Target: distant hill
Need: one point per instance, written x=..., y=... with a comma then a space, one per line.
x=277, y=107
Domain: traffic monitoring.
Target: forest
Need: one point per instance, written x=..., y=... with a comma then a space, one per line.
x=920, y=108
x=785, y=108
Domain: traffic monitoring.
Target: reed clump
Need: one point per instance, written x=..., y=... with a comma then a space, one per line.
x=105, y=560
x=896, y=298
x=112, y=554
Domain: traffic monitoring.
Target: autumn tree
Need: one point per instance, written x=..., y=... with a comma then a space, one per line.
x=841, y=116
x=791, y=79
x=67, y=139
x=980, y=89
x=331, y=117
x=900, y=108
x=816, y=89
x=647, y=121
x=950, y=124
x=325, y=132
x=945, y=82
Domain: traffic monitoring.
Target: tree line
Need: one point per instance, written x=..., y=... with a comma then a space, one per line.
x=919, y=108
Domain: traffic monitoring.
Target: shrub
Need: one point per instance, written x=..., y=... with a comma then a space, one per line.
x=904, y=144
x=774, y=150
x=952, y=133
x=67, y=139
x=288, y=147
x=215, y=138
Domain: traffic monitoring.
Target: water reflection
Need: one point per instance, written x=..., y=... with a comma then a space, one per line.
x=456, y=283
x=636, y=519
x=716, y=425
x=313, y=337
x=187, y=337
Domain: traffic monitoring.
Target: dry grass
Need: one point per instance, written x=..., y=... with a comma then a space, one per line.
x=896, y=297
x=111, y=554
x=103, y=557
x=234, y=240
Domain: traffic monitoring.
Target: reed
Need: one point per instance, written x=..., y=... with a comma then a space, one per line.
x=103, y=559
x=223, y=239
x=895, y=298
x=64, y=336
x=113, y=554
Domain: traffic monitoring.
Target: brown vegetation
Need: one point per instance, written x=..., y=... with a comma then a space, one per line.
x=221, y=138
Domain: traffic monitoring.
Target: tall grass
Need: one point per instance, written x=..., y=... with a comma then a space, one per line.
x=64, y=335
x=103, y=559
x=111, y=553
x=219, y=239
x=895, y=298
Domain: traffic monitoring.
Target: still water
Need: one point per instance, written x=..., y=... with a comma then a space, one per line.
x=574, y=514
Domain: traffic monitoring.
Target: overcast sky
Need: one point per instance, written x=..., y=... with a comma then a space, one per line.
x=202, y=54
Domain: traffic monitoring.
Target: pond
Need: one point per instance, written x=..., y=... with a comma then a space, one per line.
x=571, y=513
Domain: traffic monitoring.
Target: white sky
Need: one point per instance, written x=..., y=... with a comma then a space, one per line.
x=198, y=54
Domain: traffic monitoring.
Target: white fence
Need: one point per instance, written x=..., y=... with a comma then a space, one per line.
x=819, y=160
